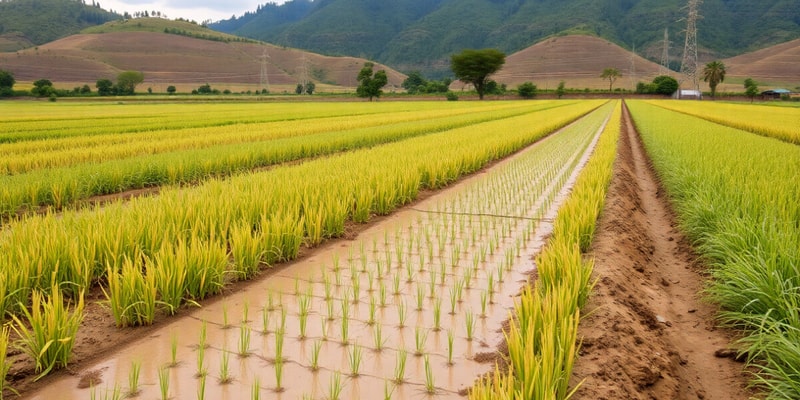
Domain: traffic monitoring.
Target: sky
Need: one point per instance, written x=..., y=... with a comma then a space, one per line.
x=197, y=10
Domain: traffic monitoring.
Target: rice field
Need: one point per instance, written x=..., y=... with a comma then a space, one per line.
x=152, y=255
x=736, y=195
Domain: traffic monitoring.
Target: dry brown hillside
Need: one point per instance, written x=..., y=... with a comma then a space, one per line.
x=578, y=61
x=185, y=62
x=776, y=65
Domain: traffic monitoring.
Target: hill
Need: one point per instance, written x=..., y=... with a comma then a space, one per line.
x=421, y=34
x=578, y=60
x=32, y=22
x=774, y=66
x=185, y=60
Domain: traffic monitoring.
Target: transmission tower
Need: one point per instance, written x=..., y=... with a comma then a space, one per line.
x=689, y=62
x=632, y=68
x=665, y=53
x=303, y=71
x=264, y=75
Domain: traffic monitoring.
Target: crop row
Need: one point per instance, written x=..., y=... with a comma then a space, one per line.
x=263, y=217
x=777, y=122
x=20, y=157
x=26, y=122
x=60, y=187
x=737, y=197
x=419, y=297
x=542, y=335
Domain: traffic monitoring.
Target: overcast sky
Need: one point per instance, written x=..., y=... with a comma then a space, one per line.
x=198, y=10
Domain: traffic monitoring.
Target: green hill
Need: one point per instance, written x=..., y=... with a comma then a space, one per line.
x=421, y=34
x=37, y=22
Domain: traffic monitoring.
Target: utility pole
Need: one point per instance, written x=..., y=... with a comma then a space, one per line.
x=264, y=76
x=689, y=62
x=665, y=53
x=632, y=68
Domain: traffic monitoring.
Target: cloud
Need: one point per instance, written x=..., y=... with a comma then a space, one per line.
x=225, y=6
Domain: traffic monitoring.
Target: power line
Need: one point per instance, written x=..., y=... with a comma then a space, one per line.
x=665, y=53
x=264, y=75
x=689, y=62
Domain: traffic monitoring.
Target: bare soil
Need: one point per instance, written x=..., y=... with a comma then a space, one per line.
x=648, y=334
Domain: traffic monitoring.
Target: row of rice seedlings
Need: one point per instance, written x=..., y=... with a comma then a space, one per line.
x=739, y=207
x=541, y=337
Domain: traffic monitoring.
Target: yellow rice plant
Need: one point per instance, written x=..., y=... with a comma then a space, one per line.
x=47, y=332
x=4, y=366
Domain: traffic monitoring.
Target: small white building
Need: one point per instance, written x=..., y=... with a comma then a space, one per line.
x=688, y=94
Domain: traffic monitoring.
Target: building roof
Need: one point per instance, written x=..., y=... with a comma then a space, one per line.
x=777, y=91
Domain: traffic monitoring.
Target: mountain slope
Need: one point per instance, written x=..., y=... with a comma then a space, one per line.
x=776, y=65
x=421, y=34
x=42, y=21
x=184, y=60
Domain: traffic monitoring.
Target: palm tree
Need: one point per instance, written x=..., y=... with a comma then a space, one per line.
x=611, y=74
x=714, y=73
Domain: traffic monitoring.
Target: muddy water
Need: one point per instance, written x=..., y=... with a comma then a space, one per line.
x=419, y=278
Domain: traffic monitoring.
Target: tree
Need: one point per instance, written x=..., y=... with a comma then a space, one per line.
x=85, y=89
x=42, y=88
x=171, y=89
x=714, y=73
x=128, y=80
x=750, y=88
x=104, y=87
x=310, y=88
x=370, y=84
x=560, y=90
x=205, y=89
x=527, y=90
x=7, y=82
x=475, y=67
x=414, y=83
x=665, y=84
x=298, y=89
x=612, y=74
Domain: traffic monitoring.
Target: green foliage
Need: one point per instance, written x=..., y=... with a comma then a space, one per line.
x=750, y=88
x=298, y=89
x=369, y=84
x=665, y=84
x=527, y=90
x=171, y=89
x=127, y=82
x=310, y=88
x=7, y=82
x=451, y=96
x=714, y=73
x=43, y=88
x=475, y=67
x=610, y=74
x=42, y=21
x=105, y=87
x=560, y=90
x=414, y=82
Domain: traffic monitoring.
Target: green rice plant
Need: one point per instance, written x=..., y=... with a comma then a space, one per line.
x=356, y=288
x=224, y=368
x=245, y=312
x=401, y=314
x=484, y=297
x=400, y=367
x=282, y=326
x=279, y=376
x=396, y=284
x=344, y=330
x=264, y=320
x=469, y=322
x=336, y=266
x=355, y=358
x=225, y=321
x=430, y=385
x=337, y=275
x=130, y=294
x=335, y=387
x=244, y=340
x=378, y=339
x=4, y=366
x=420, y=297
x=173, y=351
x=169, y=267
x=453, y=300
x=372, y=308
x=450, y=339
x=201, y=387
x=382, y=295
x=315, y=349
x=297, y=286
x=388, y=390
x=442, y=274
x=409, y=273
x=163, y=383
x=255, y=392
x=432, y=285
x=201, y=357
x=247, y=249
x=370, y=281
x=437, y=314
x=279, y=336
x=324, y=328
x=327, y=287
x=331, y=314
x=420, y=337
x=303, y=321
x=51, y=335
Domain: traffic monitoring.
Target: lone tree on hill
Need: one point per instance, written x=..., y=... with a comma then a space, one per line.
x=369, y=84
x=475, y=67
x=7, y=82
x=714, y=73
x=128, y=80
x=612, y=74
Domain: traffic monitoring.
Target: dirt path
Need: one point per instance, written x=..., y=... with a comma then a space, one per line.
x=648, y=334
